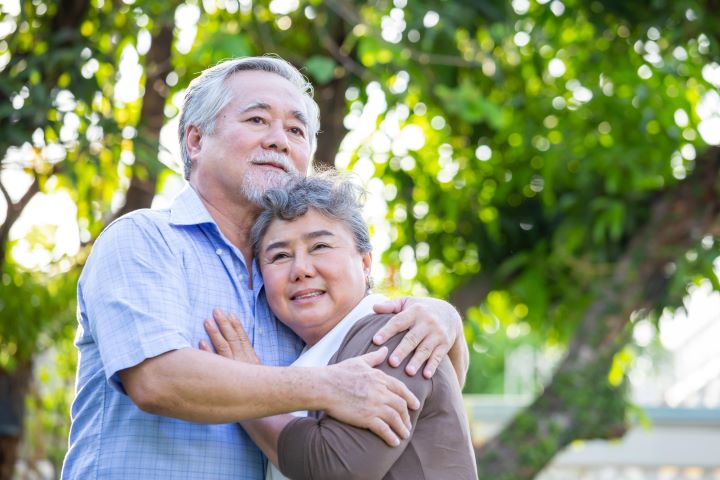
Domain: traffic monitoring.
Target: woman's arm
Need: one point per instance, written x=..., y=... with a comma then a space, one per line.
x=325, y=448
x=265, y=432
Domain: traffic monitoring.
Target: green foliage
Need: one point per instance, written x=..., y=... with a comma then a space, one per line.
x=517, y=150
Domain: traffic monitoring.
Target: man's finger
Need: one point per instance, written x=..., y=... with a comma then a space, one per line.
x=383, y=430
x=390, y=306
x=407, y=345
x=398, y=323
x=375, y=358
x=422, y=353
x=396, y=423
x=433, y=363
x=400, y=389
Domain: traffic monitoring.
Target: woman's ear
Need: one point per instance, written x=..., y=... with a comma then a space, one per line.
x=367, y=262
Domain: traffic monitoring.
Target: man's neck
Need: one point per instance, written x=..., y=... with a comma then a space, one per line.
x=234, y=221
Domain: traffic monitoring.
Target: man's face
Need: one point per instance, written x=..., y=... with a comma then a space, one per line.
x=260, y=139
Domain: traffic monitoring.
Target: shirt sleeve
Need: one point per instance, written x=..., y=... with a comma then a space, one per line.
x=325, y=448
x=134, y=296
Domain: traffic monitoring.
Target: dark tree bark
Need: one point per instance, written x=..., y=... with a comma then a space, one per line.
x=13, y=388
x=64, y=31
x=579, y=402
x=331, y=99
x=143, y=182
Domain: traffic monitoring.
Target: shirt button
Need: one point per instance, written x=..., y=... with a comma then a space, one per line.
x=219, y=251
x=260, y=331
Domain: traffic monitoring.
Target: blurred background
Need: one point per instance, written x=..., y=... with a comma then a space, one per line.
x=550, y=166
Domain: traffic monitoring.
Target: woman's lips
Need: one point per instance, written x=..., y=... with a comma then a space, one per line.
x=306, y=295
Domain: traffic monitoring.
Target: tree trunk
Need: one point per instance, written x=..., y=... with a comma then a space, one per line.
x=143, y=182
x=580, y=402
x=331, y=99
x=13, y=388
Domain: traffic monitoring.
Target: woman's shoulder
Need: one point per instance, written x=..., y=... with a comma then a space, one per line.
x=358, y=340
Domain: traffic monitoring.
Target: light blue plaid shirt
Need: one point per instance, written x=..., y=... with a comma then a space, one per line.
x=152, y=278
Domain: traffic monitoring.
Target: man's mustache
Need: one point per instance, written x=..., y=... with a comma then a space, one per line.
x=276, y=160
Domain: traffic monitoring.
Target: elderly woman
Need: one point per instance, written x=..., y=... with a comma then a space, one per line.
x=313, y=248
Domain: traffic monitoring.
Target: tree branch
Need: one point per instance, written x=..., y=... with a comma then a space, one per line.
x=580, y=402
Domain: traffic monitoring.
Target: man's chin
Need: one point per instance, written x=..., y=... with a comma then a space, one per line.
x=255, y=186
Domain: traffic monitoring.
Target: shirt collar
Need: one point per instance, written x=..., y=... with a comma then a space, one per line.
x=188, y=209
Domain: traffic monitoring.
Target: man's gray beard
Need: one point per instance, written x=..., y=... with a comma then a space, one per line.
x=254, y=185
x=257, y=182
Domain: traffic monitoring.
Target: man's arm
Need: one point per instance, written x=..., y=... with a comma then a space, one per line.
x=135, y=291
x=435, y=329
x=199, y=386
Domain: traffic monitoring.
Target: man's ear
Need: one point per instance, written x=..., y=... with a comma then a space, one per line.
x=193, y=140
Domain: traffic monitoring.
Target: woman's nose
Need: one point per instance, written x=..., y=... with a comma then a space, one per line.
x=302, y=267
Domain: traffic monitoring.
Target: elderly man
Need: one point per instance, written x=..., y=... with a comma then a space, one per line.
x=151, y=405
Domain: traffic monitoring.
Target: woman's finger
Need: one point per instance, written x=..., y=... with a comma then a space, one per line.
x=221, y=345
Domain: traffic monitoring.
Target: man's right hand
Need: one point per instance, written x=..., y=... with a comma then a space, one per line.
x=356, y=393
x=366, y=397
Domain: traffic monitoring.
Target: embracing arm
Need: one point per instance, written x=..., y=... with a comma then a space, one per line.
x=326, y=448
x=202, y=387
x=435, y=330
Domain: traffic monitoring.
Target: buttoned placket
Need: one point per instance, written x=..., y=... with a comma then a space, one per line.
x=230, y=258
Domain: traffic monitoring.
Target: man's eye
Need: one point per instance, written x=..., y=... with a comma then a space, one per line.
x=320, y=246
x=297, y=131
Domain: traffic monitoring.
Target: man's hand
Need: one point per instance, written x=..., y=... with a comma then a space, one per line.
x=357, y=394
x=366, y=397
x=434, y=328
x=229, y=338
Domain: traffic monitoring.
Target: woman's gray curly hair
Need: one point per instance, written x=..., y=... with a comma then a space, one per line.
x=328, y=193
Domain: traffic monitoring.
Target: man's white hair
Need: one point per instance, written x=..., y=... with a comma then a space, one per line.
x=207, y=95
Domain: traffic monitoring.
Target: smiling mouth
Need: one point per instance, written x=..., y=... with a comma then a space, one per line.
x=307, y=294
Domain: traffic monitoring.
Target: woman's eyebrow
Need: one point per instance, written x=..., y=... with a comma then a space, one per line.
x=306, y=236
x=318, y=233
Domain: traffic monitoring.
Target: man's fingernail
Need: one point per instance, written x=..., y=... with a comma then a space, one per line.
x=394, y=360
x=378, y=339
x=411, y=370
x=395, y=442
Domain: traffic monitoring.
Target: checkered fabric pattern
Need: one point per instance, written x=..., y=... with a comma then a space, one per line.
x=152, y=278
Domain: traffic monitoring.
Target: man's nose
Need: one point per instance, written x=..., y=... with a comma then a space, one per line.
x=277, y=138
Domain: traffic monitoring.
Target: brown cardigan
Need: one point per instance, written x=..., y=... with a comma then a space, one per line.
x=319, y=447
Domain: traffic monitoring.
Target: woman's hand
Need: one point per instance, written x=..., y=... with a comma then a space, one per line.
x=229, y=338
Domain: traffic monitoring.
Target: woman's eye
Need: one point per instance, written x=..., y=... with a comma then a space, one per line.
x=279, y=257
x=256, y=120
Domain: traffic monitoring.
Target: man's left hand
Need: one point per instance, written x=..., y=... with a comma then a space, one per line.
x=434, y=327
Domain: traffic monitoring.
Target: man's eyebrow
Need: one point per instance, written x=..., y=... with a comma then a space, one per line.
x=307, y=236
x=300, y=116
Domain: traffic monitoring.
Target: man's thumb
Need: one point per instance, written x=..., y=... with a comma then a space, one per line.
x=375, y=358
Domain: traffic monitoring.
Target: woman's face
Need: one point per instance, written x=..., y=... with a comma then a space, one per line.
x=313, y=273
